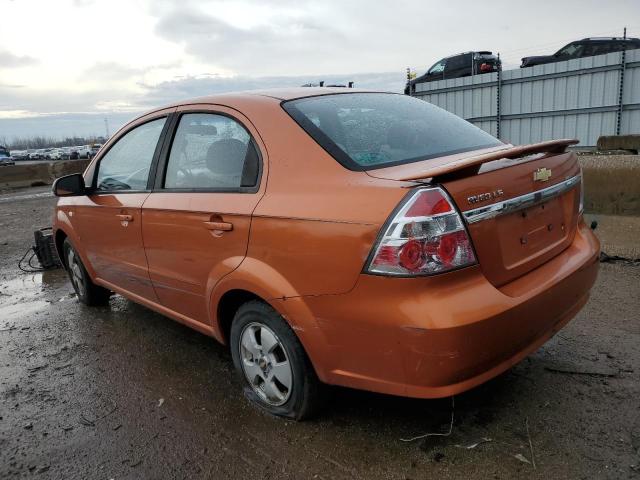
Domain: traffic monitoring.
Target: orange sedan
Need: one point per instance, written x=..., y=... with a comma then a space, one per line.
x=334, y=236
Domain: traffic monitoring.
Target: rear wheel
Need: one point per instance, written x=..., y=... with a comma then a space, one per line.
x=88, y=292
x=278, y=375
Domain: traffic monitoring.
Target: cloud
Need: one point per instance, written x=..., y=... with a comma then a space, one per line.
x=189, y=87
x=275, y=47
x=10, y=60
x=113, y=71
x=118, y=72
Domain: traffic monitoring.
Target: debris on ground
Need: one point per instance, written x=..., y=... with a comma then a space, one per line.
x=575, y=369
x=604, y=258
x=533, y=458
x=474, y=445
x=453, y=404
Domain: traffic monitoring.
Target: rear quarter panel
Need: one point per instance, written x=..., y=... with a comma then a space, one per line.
x=318, y=221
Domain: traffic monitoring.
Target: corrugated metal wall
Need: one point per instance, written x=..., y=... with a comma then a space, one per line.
x=572, y=99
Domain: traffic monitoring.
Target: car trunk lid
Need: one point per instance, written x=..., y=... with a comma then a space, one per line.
x=520, y=204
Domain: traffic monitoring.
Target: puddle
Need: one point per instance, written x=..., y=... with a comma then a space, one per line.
x=27, y=293
x=11, y=313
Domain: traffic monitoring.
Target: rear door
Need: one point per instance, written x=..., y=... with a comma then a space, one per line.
x=108, y=220
x=459, y=66
x=196, y=221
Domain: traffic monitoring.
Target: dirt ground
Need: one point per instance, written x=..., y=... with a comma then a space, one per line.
x=122, y=392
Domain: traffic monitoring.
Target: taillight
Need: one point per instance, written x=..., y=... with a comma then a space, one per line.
x=426, y=236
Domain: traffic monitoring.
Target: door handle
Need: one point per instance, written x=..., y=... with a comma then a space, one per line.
x=125, y=218
x=222, y=226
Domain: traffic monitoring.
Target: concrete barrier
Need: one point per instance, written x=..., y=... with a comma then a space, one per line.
x=39, y=173
x=619, y=142
x=612, y=184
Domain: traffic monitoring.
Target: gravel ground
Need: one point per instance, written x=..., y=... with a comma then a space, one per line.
x=122, y=392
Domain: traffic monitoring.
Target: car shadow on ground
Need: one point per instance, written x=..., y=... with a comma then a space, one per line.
x=178, y=352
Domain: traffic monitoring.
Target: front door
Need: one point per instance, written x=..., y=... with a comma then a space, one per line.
x=196, y=222
x=436, y=72
x=109, y=220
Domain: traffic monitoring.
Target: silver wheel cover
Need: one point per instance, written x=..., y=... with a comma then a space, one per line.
x=75, y=272
x=265, y=363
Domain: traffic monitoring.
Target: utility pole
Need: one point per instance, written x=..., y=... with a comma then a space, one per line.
x=498, y=99
x=106, y=128
x=623, y=66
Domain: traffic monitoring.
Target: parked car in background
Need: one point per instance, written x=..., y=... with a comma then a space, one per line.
x=84, y=151
x=55, y=154
x=587, y=47
x=5, y=157
x=20, y=154
x=94, y=149
x=381, y=254
x=37, y=154
x=73, y=153
x=460, y=65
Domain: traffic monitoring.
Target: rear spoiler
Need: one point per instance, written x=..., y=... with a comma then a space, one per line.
x=552, y=146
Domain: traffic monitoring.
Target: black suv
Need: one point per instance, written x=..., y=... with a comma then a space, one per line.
x=587, y=47
x=461, y=65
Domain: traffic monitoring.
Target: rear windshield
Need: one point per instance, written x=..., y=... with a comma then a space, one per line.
x=364, y=131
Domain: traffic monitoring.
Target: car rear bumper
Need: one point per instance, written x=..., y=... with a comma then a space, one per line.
x=437, y=336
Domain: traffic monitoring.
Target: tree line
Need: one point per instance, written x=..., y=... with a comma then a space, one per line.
x=26, y=143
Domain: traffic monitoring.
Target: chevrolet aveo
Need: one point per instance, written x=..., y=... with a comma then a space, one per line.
x=332, y=236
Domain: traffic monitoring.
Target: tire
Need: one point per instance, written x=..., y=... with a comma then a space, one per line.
x=262, y=344
x=88, y=292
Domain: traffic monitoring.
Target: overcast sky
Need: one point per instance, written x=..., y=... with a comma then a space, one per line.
x=65, y=65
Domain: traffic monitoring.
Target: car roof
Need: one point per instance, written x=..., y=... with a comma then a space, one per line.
x=239, y=99
x=482, y=52
x=608, y=39
x=276, y=93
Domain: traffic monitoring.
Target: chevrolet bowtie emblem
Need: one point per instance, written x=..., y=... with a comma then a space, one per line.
x=541, y=175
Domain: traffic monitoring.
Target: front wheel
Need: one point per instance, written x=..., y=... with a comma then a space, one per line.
x=278, y=375
x=88, y=292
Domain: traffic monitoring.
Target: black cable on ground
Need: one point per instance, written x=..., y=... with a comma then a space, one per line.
x=31, y=267
x=605, y=258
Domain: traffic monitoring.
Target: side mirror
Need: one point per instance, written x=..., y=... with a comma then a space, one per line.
x=69, y=186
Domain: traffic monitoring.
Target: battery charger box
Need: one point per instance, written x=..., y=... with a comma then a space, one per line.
x=45, y=249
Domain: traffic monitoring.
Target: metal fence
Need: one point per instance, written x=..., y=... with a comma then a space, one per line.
x=582, y=98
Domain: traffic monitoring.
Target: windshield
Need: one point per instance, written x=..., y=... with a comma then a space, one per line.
x=364, y=131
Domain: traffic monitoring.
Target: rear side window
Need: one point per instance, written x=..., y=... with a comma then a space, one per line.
x=364, y=131
x=211, y=152
x=126, y=165
x=573, y=50
x=459, y=62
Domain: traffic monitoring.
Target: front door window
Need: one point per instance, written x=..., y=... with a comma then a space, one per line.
x=126, y=165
